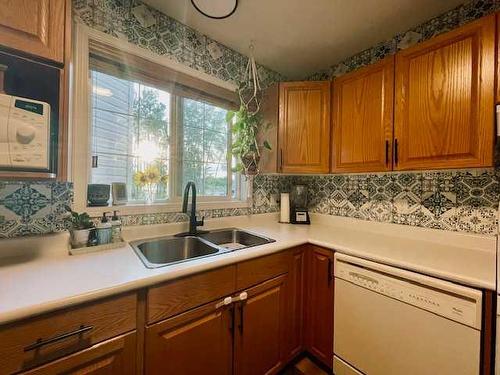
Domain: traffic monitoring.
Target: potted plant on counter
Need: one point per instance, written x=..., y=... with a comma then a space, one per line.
x=81, y=224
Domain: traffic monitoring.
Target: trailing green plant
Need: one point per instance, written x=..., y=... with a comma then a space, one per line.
x=247, y=147
x=79, y=221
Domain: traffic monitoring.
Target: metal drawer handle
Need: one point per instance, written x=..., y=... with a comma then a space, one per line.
x=41, y=342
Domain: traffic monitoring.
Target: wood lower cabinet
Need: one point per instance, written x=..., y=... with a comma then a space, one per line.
x=113, y=357
x=362, y=119
x=445, y=100
x=319, y=304
x=196, y=342
x=304, y=127
x=36, y=27
x=260, y=330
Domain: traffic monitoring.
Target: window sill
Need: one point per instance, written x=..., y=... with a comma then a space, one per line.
x=137, y=209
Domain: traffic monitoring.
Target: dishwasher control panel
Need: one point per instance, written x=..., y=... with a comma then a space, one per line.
x=449, y=304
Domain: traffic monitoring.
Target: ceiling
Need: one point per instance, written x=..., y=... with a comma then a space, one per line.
x=297, y=37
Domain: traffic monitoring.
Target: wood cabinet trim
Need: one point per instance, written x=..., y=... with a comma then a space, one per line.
x=383, y=141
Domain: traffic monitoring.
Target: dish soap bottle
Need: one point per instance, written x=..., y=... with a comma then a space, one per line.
x=116, y=228
x=104, y=230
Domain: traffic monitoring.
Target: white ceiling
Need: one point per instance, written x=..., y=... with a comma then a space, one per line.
x=300, y=37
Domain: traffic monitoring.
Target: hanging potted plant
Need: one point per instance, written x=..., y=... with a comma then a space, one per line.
x=246, y=146
x=81, y=224
x=247, y=123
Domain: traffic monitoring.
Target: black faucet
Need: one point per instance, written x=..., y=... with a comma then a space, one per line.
x=193, y=222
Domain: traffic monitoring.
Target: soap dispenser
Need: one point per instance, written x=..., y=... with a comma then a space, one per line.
x=104, y=230
x=116, y=228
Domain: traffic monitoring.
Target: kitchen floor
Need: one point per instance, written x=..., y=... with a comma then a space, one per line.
x=304, y=366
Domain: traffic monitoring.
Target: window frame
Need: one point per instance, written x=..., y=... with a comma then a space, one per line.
x=81, y=126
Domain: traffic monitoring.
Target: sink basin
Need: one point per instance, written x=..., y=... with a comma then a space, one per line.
x=235, y=239
x=164, y=251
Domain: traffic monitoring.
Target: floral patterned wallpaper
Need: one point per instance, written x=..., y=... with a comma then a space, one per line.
x=459, y=200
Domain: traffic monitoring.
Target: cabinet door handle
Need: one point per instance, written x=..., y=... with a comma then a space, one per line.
x=225, y=302
x=281, y=160
x=396, y=156
x=386, y=152
x=41, y=342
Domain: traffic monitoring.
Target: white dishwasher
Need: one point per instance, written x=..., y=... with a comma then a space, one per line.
x=388, y=321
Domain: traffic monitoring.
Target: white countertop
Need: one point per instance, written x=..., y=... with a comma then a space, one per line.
x=37, y=275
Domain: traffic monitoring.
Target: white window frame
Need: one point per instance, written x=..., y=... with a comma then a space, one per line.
x=80, y=126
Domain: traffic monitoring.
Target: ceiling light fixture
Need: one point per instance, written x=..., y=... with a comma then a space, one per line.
x=215, y=9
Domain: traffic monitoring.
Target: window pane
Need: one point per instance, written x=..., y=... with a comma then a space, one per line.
x=205, y=147
x=130, y=136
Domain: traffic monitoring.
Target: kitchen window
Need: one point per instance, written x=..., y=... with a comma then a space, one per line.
x=155, y=129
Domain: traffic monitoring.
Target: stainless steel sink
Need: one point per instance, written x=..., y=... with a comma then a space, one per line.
x=164, y=251
x=235, y=239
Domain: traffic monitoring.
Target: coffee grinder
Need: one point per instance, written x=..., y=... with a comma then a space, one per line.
x=298, y=205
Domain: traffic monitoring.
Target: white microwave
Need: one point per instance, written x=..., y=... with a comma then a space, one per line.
x=24, y=133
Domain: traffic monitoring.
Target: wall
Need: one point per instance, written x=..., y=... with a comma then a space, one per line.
x=460, y=200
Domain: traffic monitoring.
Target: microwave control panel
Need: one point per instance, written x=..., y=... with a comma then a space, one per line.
x=24, y=133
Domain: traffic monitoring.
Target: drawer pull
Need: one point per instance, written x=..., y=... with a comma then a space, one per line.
x=40, y=342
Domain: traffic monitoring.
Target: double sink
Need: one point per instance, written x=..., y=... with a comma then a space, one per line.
x=164, y=251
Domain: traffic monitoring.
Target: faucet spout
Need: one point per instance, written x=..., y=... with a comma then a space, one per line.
x=193, y=221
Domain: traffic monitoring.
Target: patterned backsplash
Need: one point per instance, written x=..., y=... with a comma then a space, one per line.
x=28, y=208
x=457, y=200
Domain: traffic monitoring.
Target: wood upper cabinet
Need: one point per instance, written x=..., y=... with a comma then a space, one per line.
x=319, y=304
x=198, y=341
x=444, y=100
x=304, y=127
x=260, y=328
x=36, y=27
x=362, y=119
x=113, y=357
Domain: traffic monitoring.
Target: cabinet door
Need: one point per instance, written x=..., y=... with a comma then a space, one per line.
x=196, y=342
x=293, y=344
x=319, y=305
x=362, y=119
x=304, y=127
x=113, y=357
x=34, y=26
x=444, y=100
x=260, y=324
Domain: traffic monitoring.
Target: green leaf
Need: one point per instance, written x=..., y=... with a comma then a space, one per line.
x=267, y=145
x=230, y=116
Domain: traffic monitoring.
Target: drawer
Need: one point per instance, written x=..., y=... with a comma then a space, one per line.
x=180, y=295
x=114, y=356
x=255, y=271
x=38, y=340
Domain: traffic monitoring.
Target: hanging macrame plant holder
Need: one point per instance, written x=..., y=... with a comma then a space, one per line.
x=250, y=93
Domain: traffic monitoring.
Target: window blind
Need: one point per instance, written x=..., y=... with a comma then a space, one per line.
x=110, y=60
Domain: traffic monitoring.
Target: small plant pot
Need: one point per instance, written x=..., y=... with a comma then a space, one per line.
x=250, y=164
x=80, y=237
